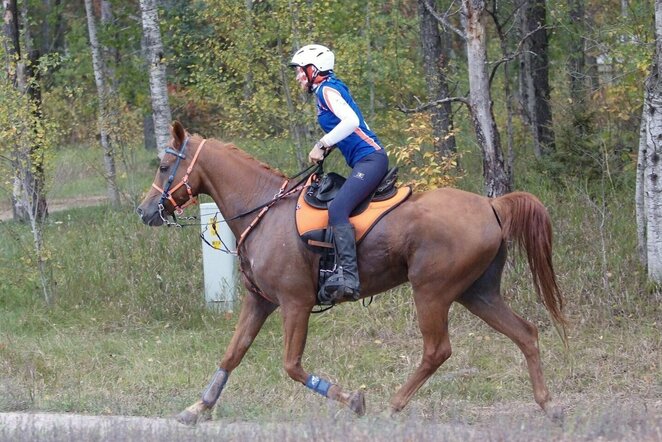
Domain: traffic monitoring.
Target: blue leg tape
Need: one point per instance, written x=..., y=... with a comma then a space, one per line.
x=213, y=390
x=318, y=385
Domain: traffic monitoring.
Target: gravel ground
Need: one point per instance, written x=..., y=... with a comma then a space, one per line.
x=630, y=421
x=18, y=427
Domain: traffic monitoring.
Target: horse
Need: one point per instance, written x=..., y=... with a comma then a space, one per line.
x=450, y=245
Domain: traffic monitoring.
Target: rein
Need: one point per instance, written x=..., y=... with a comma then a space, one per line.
x=167, y=191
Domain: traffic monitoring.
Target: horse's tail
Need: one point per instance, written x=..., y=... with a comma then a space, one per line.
x=526, y=220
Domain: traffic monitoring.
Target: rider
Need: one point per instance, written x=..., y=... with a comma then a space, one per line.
x=341, y=120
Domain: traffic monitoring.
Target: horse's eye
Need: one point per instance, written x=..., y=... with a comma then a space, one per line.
x=163, y=168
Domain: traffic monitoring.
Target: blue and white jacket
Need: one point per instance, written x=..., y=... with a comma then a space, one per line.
x=340, y=118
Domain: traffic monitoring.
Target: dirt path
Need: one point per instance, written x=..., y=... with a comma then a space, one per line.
x=56, y=205
x=629, y=420
x=18, y=427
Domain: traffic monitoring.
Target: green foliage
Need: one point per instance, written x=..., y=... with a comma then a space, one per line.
x=228, y=74
x=26, y=144
x=597, y=134
x=233, y=60
x=21, y=129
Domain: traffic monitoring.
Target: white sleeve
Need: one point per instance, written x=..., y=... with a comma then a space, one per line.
x=349, y=121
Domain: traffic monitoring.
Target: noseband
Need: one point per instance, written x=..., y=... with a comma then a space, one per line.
x=167, y=191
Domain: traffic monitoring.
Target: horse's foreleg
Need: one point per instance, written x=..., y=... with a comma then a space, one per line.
x=433, y=323
x=295, y=322
x=254, y=311
x=491, y=308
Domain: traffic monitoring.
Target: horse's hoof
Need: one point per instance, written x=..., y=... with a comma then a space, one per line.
x=388, y=414
x=357, y=402
x=188, y=417
x=555, y=413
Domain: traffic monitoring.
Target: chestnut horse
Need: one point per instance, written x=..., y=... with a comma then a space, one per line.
x=449, y=244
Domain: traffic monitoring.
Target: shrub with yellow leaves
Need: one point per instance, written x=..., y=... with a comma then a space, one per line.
x=423, y=167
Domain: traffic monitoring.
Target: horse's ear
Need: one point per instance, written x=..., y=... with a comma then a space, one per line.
x=178, y=134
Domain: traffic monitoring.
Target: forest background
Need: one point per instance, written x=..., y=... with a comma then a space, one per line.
x=228, y=77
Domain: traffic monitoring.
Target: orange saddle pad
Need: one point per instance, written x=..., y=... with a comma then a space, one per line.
x=311, y=222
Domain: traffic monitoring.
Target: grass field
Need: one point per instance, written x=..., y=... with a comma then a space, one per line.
x=129, y=333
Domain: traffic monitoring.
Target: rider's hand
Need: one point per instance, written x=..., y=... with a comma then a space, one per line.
x=317, y=153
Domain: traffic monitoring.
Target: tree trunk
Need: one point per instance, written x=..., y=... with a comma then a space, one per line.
x=651, y=152
x=534, y=76
x=28, y=197
x=37, y=175
x=52, y=27
x=157, y=73
x=29, y=200
x=110, y=56
x=249, y=26
x=371, y=76
x=495, y=179
x=435, y=58
x=57, y=43
x=103, y=93
x=149, y=138
x=576, y=64
x=13, y=54
x=509, y=159
x=639, y=198
x=34, y=205
x=11, y=40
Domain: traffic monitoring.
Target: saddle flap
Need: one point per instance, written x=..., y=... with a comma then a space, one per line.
x=388, y=182
x=329, y=186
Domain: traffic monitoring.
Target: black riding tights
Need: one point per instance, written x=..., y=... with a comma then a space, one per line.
x=363, y=180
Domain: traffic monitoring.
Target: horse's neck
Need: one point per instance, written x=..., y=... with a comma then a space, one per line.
x=237, y=183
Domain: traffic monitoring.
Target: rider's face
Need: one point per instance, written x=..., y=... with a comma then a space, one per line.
x=302, y=78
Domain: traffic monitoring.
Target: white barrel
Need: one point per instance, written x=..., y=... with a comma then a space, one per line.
x=219, y=268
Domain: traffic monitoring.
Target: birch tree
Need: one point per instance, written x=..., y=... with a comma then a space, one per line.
x=649, y=182
x=10, y=38
x=104, y=93
x=22, y=128
x=495, y=179
x=28, y=193
x=157, y=73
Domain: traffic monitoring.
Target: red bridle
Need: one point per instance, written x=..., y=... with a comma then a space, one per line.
x=168, y=192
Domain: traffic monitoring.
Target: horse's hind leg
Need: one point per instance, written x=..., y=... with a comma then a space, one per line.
x=433, y=323
x=254, y=311
x=484, y=300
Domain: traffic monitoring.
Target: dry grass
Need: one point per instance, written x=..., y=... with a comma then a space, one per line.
x=609, y=381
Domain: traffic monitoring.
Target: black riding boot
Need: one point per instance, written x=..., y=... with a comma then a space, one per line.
x=344, y=283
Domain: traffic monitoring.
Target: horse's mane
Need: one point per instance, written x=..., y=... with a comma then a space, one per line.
x=243, y=154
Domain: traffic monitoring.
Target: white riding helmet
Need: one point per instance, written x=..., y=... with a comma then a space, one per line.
x=319, y=56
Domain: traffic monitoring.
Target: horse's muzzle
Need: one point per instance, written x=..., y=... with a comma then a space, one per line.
x=151, y=219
